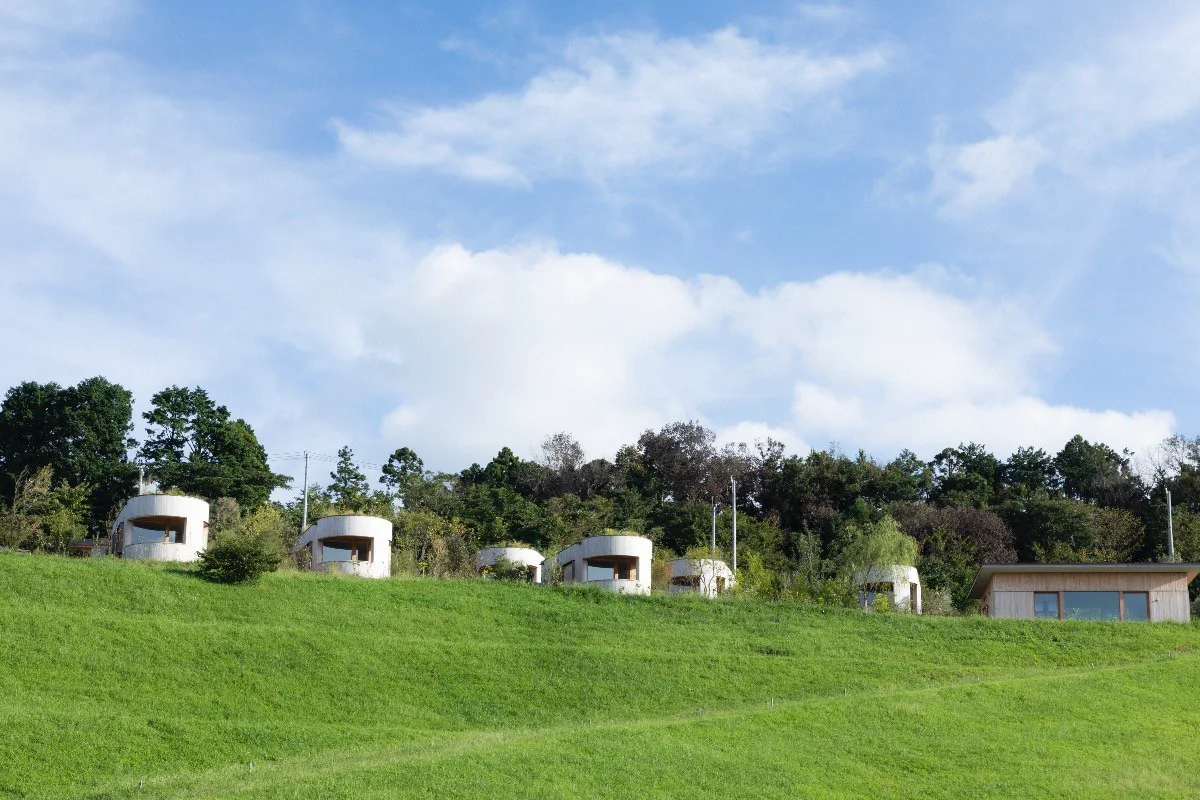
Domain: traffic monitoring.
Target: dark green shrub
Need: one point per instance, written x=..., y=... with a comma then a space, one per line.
x=238, y=559
x=506, y=570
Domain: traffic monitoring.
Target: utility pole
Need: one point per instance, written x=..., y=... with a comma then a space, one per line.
x=733, y=483
x=713, y=550
x=304, y=521
x=141, y=478
x=1170, y=530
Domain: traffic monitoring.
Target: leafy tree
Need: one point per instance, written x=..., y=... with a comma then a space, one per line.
x=1096, y=473
x=194, y=445
x=349, y=490
x=967, y=475
x=880, y=544
x=403, y=471
x=1029, y=471
x=42, y=516
x=679, y=459
x=80, y=432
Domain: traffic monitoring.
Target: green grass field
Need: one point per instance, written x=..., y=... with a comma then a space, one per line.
x=115, y=674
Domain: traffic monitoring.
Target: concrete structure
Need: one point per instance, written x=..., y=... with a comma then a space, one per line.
x=707, y=576
x=900, y=584
x=161, y=527
x=1129, y=592
x=531, y=559
x=616, y=563
x=349, y=543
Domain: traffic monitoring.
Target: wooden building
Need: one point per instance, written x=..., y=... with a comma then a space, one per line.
x=1151, y=592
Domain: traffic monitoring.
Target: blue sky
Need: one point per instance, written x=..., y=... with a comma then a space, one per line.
x=457, y=226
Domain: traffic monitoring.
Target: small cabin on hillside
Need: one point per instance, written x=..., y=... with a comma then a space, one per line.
x=1148, y=592
x=707, y=576
x=618, y=563
x=161, y=527
x=349, y=543
x=527, y=557
x=899, y=584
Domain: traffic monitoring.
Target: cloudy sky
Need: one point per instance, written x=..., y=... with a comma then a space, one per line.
x=459, y=226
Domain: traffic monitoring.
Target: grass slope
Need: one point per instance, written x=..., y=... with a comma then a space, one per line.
x=117, y=673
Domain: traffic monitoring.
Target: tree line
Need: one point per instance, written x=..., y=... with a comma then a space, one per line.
x=68, y=459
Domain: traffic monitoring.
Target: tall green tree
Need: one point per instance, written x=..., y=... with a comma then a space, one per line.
x=80, y=432
x=1098, y=474
x=196, y=446
x=402, y=472
x=349, y=489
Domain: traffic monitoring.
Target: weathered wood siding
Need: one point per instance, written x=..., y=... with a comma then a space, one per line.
x=1012, y=605
x=1169, y=607
x=1088, y=581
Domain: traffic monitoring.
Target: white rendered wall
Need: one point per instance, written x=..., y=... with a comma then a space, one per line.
x=516, y=555
x=378, y=530
x=192, y=510
x=637, y=547
x=902, y=578
x=708, y=570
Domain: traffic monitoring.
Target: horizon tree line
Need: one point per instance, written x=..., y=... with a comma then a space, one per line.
x=68, y=459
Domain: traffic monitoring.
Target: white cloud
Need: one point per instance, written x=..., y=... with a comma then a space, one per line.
x=623, y=105
x=26, y=23
x=1120, y=121
x=144, y=239
x=979, y=174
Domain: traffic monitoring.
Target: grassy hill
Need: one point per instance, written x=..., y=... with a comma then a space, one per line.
x=117, y=673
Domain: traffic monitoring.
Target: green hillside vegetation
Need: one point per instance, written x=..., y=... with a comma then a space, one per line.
x=116, y=673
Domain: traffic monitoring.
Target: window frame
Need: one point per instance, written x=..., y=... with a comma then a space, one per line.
x=1061, y=593
x=353, y=542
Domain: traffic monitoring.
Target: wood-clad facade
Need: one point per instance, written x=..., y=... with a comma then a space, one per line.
x=1125, y=592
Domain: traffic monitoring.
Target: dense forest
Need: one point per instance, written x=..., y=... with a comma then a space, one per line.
x=68, y=459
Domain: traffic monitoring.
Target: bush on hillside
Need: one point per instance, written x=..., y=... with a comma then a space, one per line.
x=505, y=570
x=238, y=559
x=938, y=603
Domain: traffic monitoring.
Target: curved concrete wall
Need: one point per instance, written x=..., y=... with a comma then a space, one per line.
x=192, y=510
x=378, y=530
x=637, y=547
x=906, y=585
x=707, y=571
x=517, y=555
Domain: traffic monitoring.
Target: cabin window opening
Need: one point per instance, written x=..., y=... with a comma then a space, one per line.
x=1136, y=606
x=158, y=530
x=568, y=572
x=620, y=568
x=1045, y=605
x=1092, y=605
x=691, y=581
x=345, y=550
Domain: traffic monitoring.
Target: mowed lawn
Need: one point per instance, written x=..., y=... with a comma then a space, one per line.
x=124, y=679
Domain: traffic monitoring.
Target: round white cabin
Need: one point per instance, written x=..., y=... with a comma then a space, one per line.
x=900, y=584
x=707, y=576
x=349, y=543
x=527, y=557
x=161, y=527
x=616, y=563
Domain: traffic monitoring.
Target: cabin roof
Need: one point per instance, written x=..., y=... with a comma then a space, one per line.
x=986, y=571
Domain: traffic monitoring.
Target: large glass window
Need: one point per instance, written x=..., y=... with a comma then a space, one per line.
x=1045, y=605
x=600, y=570
x=157, y=530
x=619, y=568
x=1092, y=605
x=1137, y=607
x=345, y=549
